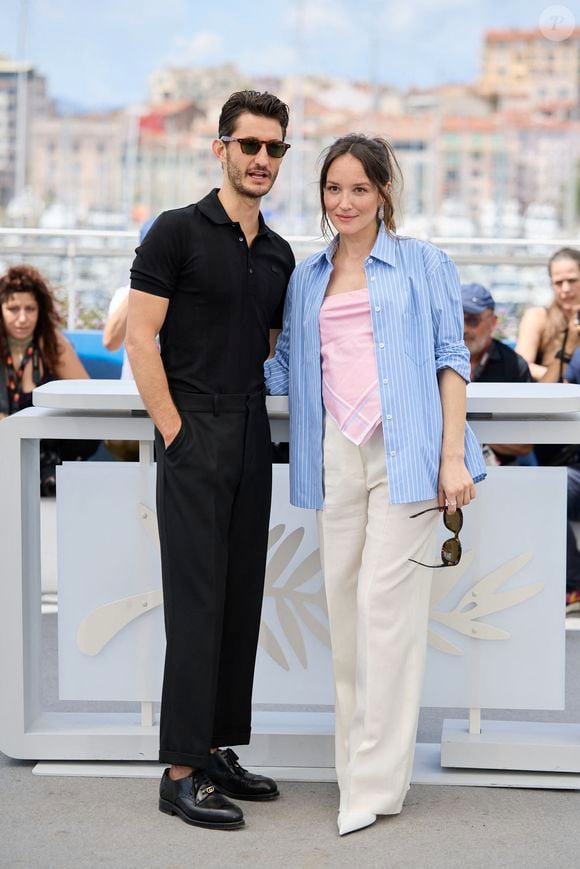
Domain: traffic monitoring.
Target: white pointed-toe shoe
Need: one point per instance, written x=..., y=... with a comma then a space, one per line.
x=348, y=822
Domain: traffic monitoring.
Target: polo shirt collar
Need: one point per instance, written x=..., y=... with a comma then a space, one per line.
x=384, y=248
x=212, y=208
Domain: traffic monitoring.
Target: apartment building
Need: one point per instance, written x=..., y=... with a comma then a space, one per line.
x=20, y=85
x=523, y=69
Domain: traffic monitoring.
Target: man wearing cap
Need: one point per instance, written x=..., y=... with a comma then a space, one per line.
x=492, y=361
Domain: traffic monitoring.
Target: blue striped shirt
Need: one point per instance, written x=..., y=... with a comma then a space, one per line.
x=417, y=322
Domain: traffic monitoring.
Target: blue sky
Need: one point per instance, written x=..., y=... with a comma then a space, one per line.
x=100, y=53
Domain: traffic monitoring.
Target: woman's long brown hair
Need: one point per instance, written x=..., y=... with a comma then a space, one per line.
x=26, y=279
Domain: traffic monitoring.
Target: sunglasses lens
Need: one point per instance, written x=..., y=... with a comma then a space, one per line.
x=276, y=149
x=451, y=552
x=453, y=521
x=250, y=146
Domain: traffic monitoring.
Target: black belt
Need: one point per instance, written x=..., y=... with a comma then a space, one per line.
x=201, y=402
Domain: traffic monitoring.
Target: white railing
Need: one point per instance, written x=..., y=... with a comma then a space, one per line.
x=85, y=265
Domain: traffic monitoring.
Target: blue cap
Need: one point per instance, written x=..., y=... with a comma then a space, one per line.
x=476, y=299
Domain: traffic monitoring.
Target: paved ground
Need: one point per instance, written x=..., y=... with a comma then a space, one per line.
x=50, y=823
x=57, y=823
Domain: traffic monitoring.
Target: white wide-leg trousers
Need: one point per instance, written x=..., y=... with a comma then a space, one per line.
x=378, y=606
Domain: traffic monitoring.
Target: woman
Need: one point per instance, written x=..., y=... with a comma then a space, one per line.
x=548, y=339
x=372, y=357
x=32, y=352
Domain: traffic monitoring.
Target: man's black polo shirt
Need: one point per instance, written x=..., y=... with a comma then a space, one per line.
x=223, y=296
x=503, y=365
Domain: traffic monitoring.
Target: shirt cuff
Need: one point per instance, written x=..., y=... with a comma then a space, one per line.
x=456, y=359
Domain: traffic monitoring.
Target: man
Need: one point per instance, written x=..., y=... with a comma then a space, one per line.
x=210, y=279
x=492, y=361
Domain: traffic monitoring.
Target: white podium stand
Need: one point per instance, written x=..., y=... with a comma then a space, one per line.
x=494, y=618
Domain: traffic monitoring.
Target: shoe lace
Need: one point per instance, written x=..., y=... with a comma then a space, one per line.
x=233, y=759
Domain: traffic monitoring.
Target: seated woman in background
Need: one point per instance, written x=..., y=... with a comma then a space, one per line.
x=547, y=339
x=32, y=352
x=548, y=334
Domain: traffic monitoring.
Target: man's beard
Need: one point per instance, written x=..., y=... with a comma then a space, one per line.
x=477, y=346
x=236, y=179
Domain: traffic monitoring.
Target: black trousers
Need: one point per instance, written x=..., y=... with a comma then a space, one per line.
x=214, y=486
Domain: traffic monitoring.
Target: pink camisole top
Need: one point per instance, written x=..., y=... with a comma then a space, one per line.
x=350, y=390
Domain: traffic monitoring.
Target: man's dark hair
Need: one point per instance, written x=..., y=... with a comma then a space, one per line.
x=256, y=103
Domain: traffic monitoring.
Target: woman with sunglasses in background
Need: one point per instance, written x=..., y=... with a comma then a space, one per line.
x=373, y=360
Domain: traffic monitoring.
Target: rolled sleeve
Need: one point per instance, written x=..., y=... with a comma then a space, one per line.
x=447, y=317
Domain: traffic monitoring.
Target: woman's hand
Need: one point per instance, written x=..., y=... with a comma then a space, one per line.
x=456, y=487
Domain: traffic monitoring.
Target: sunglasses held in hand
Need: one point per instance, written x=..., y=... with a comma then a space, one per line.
x=252, y=146
x=451, y=549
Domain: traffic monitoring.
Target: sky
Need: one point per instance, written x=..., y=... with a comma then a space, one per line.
x=100, y=54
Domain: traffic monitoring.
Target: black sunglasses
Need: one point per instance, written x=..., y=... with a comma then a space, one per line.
x=252, y=146
x=451, y=549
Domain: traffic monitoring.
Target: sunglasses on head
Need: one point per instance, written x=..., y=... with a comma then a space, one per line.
x=252, y=146
x=451, y=549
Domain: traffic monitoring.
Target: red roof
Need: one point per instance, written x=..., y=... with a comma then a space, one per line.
x=524, y=35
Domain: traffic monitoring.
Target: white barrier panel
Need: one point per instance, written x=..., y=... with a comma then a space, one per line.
x=496, y=632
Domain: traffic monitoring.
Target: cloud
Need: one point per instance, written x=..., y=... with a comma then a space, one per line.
x=277, y=59
x=316, y=18
x=206, y=46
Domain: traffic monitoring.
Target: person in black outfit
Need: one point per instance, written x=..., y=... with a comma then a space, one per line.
x=492, y=361
x=211, y=279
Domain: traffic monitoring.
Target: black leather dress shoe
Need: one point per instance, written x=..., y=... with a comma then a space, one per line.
x=233, y=780
x=197, y=801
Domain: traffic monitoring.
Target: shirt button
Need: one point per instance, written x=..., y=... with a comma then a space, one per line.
x=393, y=453
x=385, y=380
x=381, y=345
x=251, y=271
x=389, y=416
x=377, y=308
x=241, y=238
x=372, y=277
